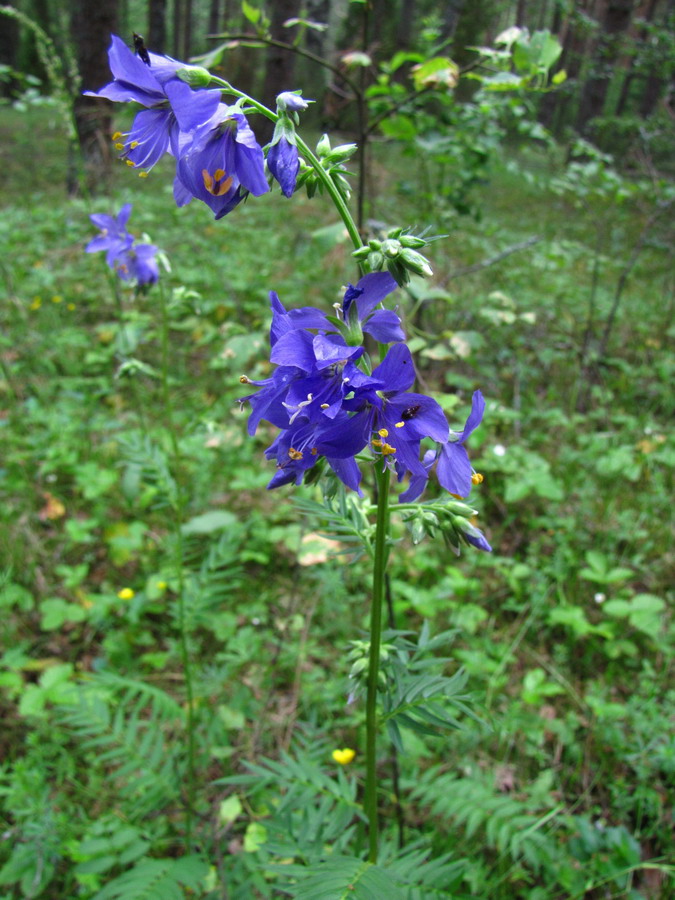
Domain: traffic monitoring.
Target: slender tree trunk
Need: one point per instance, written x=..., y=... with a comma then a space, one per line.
x=92, y=26
x=451, y=13
x=157, y=25
x=617, y=19
x=214, y=17
x=177, y=36
x=404, y=27
x=187, y=51
x=279, y=64
x=521, y=13
x=9, y=44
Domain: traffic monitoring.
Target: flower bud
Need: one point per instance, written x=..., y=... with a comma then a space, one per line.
x=391, y=248
x=375, y=261
x=410, y=240
x=195, y=76
x=323, y=147
x=417, y=263
x=289, y=100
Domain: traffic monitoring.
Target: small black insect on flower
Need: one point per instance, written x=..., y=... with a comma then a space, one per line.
x=140, y=48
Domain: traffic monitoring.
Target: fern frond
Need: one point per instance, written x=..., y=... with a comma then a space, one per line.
x=157, y=879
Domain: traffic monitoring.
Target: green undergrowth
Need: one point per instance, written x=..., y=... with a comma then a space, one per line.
x=562, y=784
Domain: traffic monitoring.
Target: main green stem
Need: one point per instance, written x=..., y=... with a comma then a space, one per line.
x=178, y=505
x=379, y=568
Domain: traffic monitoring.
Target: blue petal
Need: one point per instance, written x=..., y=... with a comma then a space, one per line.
x=375, y=286
x=475, y=416
x=422, y=417
x=295, y=348
x=284, y=164
x=396, y=371
x=191, y=108
x=348, y=472
x=454, y=469
x=385, y=326
x=129, y=68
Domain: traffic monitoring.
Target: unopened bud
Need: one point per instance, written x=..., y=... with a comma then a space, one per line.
x=391, y=248
x=292, y=101
x=416, y=262
x=376, y=261
x=195, y=76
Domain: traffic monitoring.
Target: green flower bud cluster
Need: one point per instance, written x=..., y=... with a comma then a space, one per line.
x=332, y=159
x=450, y=519
x=397, y=252
x=359, y=656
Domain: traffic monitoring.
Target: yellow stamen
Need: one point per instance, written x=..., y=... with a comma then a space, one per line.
x=476, y=478
x=399, y=425
x=143, y=174
x=383, y=432
x=215, y=184
x=133, y=145
x=130, y=163
x=387, y=449
x=324, y=406
x=119, y=146
x=375, y=443
x=314, y=451
x=117, y=136
x=244, y=379
x=295, y=454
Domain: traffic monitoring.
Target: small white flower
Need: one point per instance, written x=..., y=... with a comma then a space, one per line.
x=599, y=597
x=499, y=450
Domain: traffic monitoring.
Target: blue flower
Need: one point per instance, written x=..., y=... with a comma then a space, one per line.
x=222, y=163
x=284, y=164
x=114, y=237
x=132, y=262
x=453, y=468
x=359, y=312
x=155, y=130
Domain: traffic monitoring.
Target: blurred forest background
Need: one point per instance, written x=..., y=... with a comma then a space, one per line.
x=551, y=174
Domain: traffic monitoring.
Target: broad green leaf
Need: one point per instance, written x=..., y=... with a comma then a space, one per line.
x=255, y=837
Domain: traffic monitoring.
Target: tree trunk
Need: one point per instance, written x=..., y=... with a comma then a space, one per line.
x=187, y=50
x=157, y=26
x=279, y=63
x=404, y=27
x=9, y=44
x=617, y=18
x=92, y=25
x=451, y=13
x=521, y=13
x=214, y=17
x=177, y=36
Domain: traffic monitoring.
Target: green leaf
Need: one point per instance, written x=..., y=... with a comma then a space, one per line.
x=251, y=13
x=209, y=522
x=438, y=72
x=347, y=878
x=255, y=837
x=230, y=809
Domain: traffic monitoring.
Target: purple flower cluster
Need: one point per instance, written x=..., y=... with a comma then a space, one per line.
x=130, y=260
x=218, y=159
x=327, y=406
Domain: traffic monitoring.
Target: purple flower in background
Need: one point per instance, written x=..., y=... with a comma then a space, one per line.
x=132, y=262
x=114, y=237
x=155, y=130
x=138, y=264
x=222, y=163
x=284, y=164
